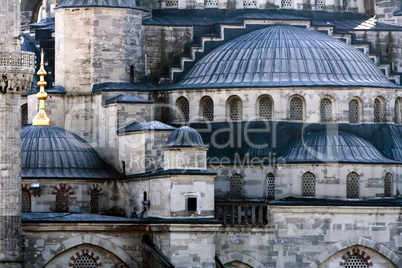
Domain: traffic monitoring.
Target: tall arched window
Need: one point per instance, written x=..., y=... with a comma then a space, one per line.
x=132, y=74
x=352, y=185
x=388, y=185
x=62, y=200
x=236, y=186
x=184, y=109
x=345, y=4
x=235, y=109
x=354, y=111
x=308, y=184
x=26, y=200
x=397, y=111
x=207, y=106
x=296, y=109
x=162, y=111
x=265, y=108
x=270, y=186
x=24, y=114
x=326, y=110
x=95, y=201
x=378, y=110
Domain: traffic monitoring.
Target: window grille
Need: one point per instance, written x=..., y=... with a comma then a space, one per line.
x=172, y=3
x=85, y=261
x=319, y=4
x=236, y=186
x=95, y=201
x=286, y=3
x=24, y=114
x=356, y=261
x=208, y=109
x=353, y=111
x=184, y=108
x=388, y=185
x=308, y=184
x=326, y=110
x=296, y=109
x=211, y=3
x=249, y=3
x=270, y=186
x=352, y=185
x=26, y=200
x=235, y=109
x=345, y=4
x=62, y=201
x=265, y=108
x=377, y=111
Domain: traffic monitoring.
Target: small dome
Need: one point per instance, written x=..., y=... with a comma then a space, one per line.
x=97, y=3
x=185, y=137
x=333, y=146
x=52, y=152
x=284, y=56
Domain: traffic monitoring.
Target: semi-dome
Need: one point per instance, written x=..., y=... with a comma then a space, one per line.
x=284, y=56
x=185, y=137
x=98, y=3
x=333, y=146
x=52, y=152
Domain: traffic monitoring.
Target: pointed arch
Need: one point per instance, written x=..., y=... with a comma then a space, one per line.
x=237, y=256
x=93, y=240
x=356, y=241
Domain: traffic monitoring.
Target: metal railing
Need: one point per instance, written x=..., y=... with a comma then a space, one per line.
x=242, y=213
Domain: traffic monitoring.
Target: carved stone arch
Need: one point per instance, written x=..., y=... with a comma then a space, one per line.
x=246, y=259
x=357, y=241
x=96, y=241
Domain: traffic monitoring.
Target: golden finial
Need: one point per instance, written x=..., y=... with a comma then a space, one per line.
x=41, y=119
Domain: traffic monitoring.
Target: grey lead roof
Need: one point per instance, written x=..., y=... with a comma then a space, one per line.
x=126, y=98
x=144, y=126
x=284, y=56
x=185, y=137
x=52, y=152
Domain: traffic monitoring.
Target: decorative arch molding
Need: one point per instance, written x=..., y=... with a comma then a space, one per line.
x=95, y=187
x=114, y=249
x=26, y=186
x=356, y=252
x=356, y=241
x=85, y=252
x=237, y=256
x=63, y=186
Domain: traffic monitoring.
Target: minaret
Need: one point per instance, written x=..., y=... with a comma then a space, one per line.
x=16, y=71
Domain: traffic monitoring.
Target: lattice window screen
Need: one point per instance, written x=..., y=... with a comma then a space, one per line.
x=345, y=4
x=319, y=4
x=172, y=3
x=208, y=109
x=184, y=109
x=235, y=109
x=286, y=3
x=296, y=109
x=326, y=110
x=265, y=108
x=388, y=185
x=249, y=3
x=62, y=201
x=270, y=186
x=377, y=111
x=85, y=261
x=24, y=114
x=236, y=186
x=211, y=3
x=26, y=200
x=94, y=201
x=354, y=111
x=352, y=185
x=308, y=184
x=356, y=262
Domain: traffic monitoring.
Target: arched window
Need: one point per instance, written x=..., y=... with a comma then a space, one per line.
x=235, y=109
x=207, y=109
x=265, y=108
x=62, y=200
x=162, y=111
x=378, y=110
x=85, y=261
x=388, y=185
x=132, y=74
x=326, y=110
x=354, y=110
x=319, y=4
x=352, y=185
x=26, y=200
x=236, y=186
x=270, y=186
x=308, y=184
x=24, y=114
x=296, y=109
x=184, y=109
x=345, y=4
x=356, y=261
x=95, y=201
x=397, y=111
x=286, y=3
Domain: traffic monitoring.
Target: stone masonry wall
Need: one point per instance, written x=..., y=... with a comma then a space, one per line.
x=385, y=10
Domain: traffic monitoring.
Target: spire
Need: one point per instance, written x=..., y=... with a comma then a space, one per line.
x=41, y=119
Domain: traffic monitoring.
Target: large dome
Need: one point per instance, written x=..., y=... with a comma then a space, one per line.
x=52, y=152
x=284, y=56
